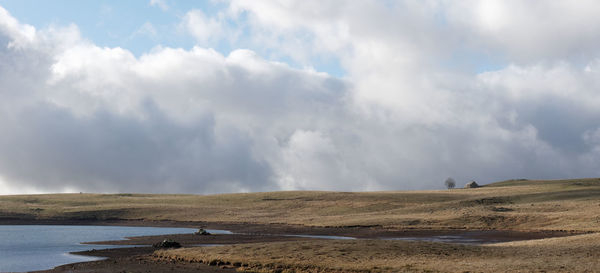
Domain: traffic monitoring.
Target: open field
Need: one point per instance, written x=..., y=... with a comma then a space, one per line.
x=579, y=253
x=517, y=205
x=512, y=205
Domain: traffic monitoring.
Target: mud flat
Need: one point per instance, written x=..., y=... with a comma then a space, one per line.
x=137, y=259
x=273, y=250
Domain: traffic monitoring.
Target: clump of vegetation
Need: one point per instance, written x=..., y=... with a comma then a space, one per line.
x=167, y=243
x=202, y=231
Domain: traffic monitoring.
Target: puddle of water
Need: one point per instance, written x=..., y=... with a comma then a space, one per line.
x=321, y=236
x=218, y=231
x=471, y=237
x=445, y=239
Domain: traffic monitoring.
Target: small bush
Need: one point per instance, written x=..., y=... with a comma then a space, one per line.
x=167, y=243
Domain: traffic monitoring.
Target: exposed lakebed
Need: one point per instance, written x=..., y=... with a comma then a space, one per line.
x=35, y=247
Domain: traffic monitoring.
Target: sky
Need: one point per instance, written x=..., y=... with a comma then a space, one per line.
x=165, y=96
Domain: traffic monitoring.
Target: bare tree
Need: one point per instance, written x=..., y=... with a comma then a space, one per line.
x=450, y=183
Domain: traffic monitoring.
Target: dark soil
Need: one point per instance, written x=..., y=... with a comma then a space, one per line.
x=188, y=240
x=140, y=259
x=137, y=259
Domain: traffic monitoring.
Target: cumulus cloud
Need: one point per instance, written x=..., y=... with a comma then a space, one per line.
x=146, y=29
x=162, y=4
x=408, y=79
x=407, y=115
x=530, y=31
x=100, y=119
x=205, y=28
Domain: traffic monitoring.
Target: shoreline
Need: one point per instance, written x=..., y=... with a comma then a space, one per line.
x=135, y=259
x=141, y=258
x=358, y=231
x=507, y=211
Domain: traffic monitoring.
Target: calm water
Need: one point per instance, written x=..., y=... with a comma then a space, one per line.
x=458, y=239
x=322, y=236
x=28, y=248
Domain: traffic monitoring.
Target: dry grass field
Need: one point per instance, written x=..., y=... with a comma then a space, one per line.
x=521, y=205
x=579, y=253
x=510, y=205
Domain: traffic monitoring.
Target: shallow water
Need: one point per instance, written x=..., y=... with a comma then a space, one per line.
x=321, y=236
x=472, y=237
x=217, y=231
x=457, y=239
x=37, y=247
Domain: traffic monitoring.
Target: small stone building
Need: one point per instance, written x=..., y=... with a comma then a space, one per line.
x=471, y=185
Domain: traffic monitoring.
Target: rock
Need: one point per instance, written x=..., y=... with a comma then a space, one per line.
x=472, y=185
x=202, y=232
x=167, y=243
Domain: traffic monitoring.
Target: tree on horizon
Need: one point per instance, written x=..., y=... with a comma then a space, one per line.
x=450, y=183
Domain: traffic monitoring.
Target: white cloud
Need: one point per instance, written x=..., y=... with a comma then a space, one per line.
x=20, y=34
x=162, y=4
x=147, y=29
x=530, y=31
x=172, y=120
x=311, y=161
x=406, y=116
x=204, y=28
x=397, y=53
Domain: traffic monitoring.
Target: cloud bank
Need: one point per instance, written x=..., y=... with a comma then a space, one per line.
x=487, y=90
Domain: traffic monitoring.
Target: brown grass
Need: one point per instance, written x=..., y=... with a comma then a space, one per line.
x=514, y=205
x=568, y=254
x=510, y=205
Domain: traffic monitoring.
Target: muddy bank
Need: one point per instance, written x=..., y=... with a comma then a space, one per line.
x=189, y=240
x=361, y=231
x=138, y=259
x=469, y=237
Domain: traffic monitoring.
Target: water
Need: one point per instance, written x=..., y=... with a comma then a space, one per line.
x=32, y=247
x=321, y=236
x=471, y=237
x=457, y=239
x=217, y=231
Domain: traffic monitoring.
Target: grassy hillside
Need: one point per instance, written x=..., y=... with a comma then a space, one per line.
x=517, y=204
